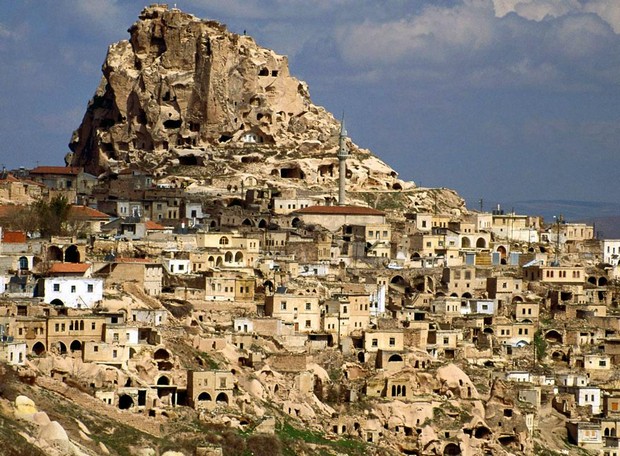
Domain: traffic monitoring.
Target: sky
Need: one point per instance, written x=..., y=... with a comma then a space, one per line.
x=504, y=100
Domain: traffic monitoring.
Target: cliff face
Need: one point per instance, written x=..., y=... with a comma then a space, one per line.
x=185, y=91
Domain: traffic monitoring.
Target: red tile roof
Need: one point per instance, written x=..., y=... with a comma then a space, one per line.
x=87, y=213
x=151, y=225
x=339, y=210
x=64, y=268
x=13, y=237
x=64, y=170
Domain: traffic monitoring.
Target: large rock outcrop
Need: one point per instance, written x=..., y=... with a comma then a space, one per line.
x=186, y=91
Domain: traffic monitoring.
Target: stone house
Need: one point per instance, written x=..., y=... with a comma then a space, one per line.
x=333, y=217
x=76, y=292
x=526, y=311
x=115, y=354
x=301, y=311
x=207, y=388
x=228, y=286
x=145, y=272
x=585, y=434
x=11, y=352
x=385, y=340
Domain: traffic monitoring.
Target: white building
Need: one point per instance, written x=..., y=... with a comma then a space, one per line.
x=611, y=251
x=74, y=292
x=150, y=317
x=519, y=376
x=177, y=265
x=13, y=353
x=480, y=306
x=243, y=325
x=377, y=301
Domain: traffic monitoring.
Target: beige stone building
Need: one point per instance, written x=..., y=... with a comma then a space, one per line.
x=145, y=272
x=207, y=388
x=386, y=340
x=333, y=217
x=300, y=311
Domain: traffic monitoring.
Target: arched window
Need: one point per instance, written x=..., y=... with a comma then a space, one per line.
x=23, y=263
x=224, y=240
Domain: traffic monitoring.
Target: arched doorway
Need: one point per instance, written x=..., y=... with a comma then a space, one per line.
x=204, y=397
x=553, y=336
x=57, y=302
x=72, y=254
x=451, y=449
x=38, y=348
x=163, y=381
x=481, y=244
x=125, y=402
x=54, y=253
x=465, y=243
x=161, y=354
x=222, y=398
x=76, y=345
x=62, y=348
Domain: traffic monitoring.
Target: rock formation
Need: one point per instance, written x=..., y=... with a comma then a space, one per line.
x=185, y=91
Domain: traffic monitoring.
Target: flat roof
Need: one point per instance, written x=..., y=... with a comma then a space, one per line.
x=340, y=210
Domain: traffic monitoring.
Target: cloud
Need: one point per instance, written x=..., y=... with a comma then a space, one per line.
x=482, y=43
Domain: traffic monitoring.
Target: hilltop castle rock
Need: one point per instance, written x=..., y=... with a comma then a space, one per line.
x=186, y=92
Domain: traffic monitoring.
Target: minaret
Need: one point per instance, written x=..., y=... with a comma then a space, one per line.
x=342, y=157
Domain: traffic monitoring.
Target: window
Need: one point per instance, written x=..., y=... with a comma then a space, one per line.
x=73, y=288
x=392, y=341
x=308, y=323
x=375, y=342
x=90, y=288
x=62, y=327
x=114, y=353
x=93, y=325
x=115, y=337
x=283, y=305
x=96, y=348
x=222, y=382
x=308, y=306
x=56, y=327
x=602, y=363
x=56, y=287
x=446, y=340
